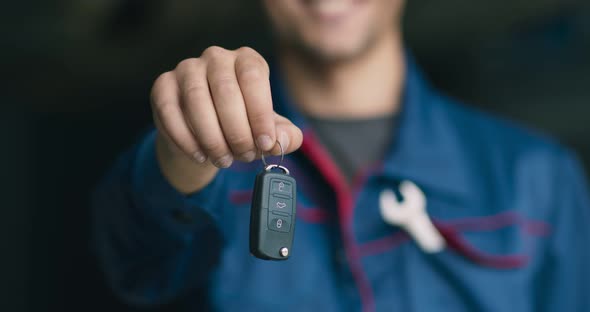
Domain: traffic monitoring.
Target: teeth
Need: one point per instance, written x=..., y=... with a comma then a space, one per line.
x=331, y=6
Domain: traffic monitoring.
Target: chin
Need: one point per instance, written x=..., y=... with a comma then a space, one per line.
x=331, y=54
x=329, y=50
x=330, y=30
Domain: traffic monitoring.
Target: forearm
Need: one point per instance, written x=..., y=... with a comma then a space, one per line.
x=148, y=253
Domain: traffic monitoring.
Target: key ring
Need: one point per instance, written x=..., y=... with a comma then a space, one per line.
x=282, y=155
x=268, y=167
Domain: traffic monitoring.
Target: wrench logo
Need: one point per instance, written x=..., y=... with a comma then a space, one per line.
x=411, y=215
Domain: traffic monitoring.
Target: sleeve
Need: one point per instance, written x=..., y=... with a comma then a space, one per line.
x=152, y=242
x=564, y=280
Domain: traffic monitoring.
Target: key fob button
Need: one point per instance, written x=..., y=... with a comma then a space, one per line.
x=279, y=224
x=280, y=204
x=281, y=187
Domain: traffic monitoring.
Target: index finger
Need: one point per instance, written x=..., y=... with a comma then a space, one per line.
x=253, y=79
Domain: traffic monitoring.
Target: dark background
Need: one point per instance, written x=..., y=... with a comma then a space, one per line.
x=76, y=77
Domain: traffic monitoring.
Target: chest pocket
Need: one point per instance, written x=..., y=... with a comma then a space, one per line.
x=488, y=262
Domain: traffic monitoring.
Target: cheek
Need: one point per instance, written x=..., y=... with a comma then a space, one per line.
x=391, y=10
x=282, y=13
x=385, y=12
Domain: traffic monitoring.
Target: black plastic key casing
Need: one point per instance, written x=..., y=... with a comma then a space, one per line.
x=272, y=217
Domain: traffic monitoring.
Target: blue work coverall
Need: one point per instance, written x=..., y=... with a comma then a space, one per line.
x=512, y=205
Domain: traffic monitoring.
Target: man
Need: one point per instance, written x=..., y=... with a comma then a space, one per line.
x=502, y=213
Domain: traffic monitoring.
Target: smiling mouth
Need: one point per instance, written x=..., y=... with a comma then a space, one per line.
x=331, y=10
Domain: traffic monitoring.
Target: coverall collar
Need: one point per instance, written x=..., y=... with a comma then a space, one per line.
x=424, y=147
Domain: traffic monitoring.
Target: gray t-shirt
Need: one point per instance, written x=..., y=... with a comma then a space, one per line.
x=354, y=144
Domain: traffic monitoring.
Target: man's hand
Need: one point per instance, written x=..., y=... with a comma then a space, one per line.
x=217, y=107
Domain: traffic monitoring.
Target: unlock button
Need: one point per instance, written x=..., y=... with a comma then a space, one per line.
x=280, y=205
x=279, y=224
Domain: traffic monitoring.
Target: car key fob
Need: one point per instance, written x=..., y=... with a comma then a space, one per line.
x=272, y=217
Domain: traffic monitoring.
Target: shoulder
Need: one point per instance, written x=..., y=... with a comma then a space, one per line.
x=496, y=137
x=510, y=160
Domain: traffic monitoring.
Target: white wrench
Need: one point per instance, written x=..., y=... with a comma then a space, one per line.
x=411, y=215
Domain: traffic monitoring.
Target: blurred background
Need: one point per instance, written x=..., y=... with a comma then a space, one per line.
x=76, y=77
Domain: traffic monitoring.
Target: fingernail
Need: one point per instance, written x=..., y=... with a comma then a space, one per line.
x=284, y=139
x=199, y=157
x=224, y=162
x=265, y=142
x=249, y=156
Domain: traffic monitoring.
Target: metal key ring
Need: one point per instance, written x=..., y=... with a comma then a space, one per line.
x=282, y=156
x=271, y=167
